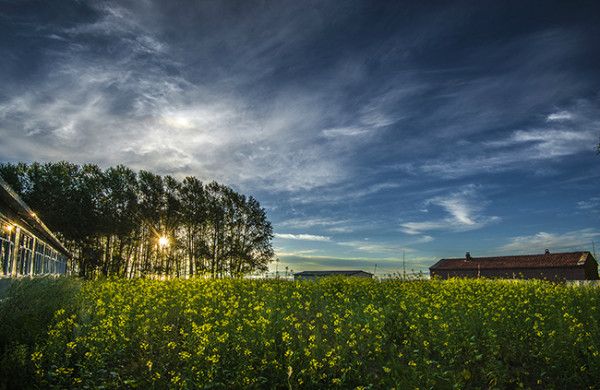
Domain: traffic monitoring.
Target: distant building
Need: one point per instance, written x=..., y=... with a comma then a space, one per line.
x=27, y=246
x=311, y=275
x=551, y=266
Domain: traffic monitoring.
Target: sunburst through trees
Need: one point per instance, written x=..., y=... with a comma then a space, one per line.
x=117, y=222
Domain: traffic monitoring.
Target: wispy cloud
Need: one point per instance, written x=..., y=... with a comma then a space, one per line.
x=119, y=23
x=520, y=151
x=374, y=247
x=308, y=222
x=341, y=229
x=351, y=192
x=329, y=224
x=281, y=252
x=425, y=226
x=559, y=116
x=552, y=143
x=591, y=204
x=344, y=132
x=302, y=237
x=463, y=209
x=538, y=242
x=136, y=102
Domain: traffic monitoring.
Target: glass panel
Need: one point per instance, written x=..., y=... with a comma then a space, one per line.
x=7, y=237
x=25, y=255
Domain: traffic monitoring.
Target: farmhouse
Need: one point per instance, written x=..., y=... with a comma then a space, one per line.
x=551, y=266
x=311, y=275
x=27, y=246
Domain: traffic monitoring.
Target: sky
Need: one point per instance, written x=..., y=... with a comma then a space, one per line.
x=377, y=135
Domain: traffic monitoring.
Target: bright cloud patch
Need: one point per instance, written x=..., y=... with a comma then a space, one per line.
x=344, y=132
x=559, y=116
x=302, y=237
x=463, y=211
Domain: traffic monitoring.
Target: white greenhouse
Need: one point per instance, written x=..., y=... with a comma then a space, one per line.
x=27, y=247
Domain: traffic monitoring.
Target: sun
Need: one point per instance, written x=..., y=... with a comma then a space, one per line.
x=163, y=241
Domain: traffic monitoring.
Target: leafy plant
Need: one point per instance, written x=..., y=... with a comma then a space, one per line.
x=346, y=333
x=27, y=307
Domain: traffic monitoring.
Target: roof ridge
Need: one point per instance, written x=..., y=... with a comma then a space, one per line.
x=526, y=255
x=543, y=260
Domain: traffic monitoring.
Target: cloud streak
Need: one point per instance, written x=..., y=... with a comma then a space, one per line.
x=559, y=116
x=522, y=150
x=302, y=237
x=538, y=242
x=140, y=107
x=463, y=209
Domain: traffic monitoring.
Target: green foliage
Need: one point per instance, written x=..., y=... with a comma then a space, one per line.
x=111, y=220
x=344, y=333
x=27, y=307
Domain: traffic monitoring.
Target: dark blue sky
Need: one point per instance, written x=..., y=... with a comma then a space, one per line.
x=366, y=129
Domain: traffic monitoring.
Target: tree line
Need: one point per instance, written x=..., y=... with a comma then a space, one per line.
x=112, y=221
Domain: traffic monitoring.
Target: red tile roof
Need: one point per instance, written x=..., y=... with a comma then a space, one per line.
x=548, y=260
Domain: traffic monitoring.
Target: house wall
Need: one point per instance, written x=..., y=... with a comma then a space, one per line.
x=591, y=269
x=362, y=276
x=573, y=273
x=300, y=277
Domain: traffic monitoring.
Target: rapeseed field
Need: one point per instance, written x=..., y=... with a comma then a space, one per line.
x=333, y=333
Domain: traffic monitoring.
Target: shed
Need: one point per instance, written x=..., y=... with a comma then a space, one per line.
x=311, y=275
x=551, y=266
x=27, y=246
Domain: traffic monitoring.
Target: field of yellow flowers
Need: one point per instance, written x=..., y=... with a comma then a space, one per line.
x=344, y=333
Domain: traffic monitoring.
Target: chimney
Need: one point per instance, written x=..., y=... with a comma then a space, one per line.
x=547, y=252
x=468, y=256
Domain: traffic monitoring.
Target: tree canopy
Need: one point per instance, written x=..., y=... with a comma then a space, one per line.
x=112, y=220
